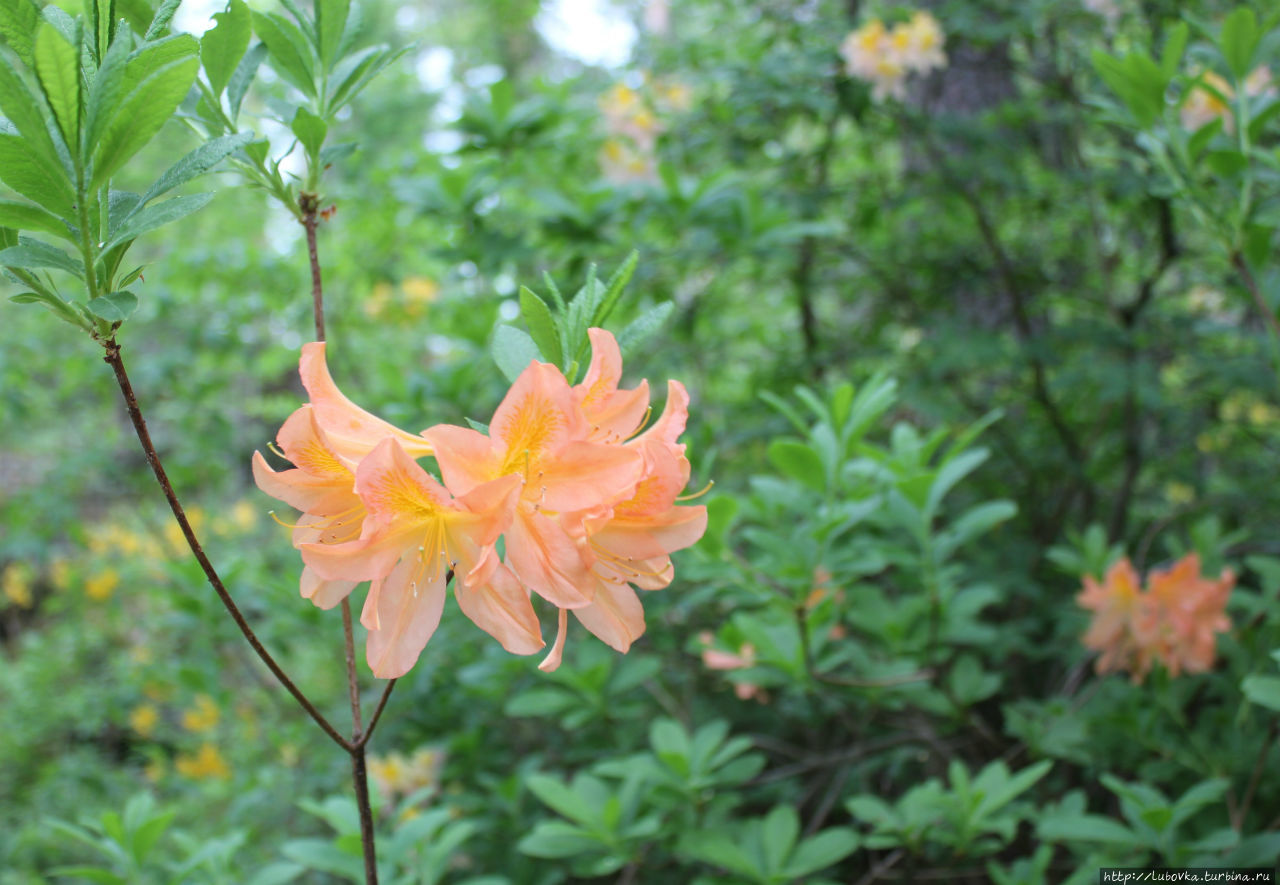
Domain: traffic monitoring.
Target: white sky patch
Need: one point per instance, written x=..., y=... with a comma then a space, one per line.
x=434, y=67
x=196, y=16
x=592, y=31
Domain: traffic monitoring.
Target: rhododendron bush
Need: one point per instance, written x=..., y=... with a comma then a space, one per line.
x=536, y=442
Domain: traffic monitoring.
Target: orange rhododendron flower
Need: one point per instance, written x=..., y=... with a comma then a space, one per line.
x=321, y=485
x=1182, y=615
x=1174, y=621
x=416, y=532
x=540, y=433
x=351, y=431
x=587, y=508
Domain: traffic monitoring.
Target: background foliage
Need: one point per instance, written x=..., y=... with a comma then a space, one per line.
x=948, y=356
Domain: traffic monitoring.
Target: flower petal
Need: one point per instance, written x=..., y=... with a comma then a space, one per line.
x=325, y=594
x=406, y=611
x=466, y=457
x=583, y=476
x=676, y=529
x=352, y=431
x=536, y=418
x=615, y=616
x=501, y=608
x=552, y=660
x=547, y=560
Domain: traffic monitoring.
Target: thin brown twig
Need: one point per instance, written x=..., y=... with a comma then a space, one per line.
x=353, y=682
x=309, y=205
x=1242, y=267
x=1238, y=818
x=114, y=359
x=377, y=713
x=882, y=867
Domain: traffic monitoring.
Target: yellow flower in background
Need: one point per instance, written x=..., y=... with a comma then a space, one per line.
x=16, y=583
x=419, y=290
x=1210, y=99
x=244, y=515
x=203, y=716
x=376, y=304
x=397, y=775
x=675, y=96
x=144, y=719
x=60, y=574
x=204, y=765
x=1179, y=493
x=99, y=587
x=884, y=57
x=621, y=99
x=1261, y=414
x=1208, y=442
x=141, y=654
x=289, y=755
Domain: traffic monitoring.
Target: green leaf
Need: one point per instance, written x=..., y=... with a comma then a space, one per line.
x=55, y=304
x=671, y=743
x=542, y=326
x=146, y=835
x=276, y=874
x=34, y=175
x=310, y=131
x=104, y=94
x=563, y=799
x=24, y=216
x=156, y=216
x=557, y=839
x=240, y=80
x=722, y=510
x=1174, y=46
x=57, y=64
x=951, y=473
x=1136, y=80
x=18, y=20
x=152, y=94
x=331, y=23
x=114, y=307
x=645, y=326
x=512, y=350
x=717, y=849
x=614, y=288
x=778, y=833
x=355, y=73
x=821, y=851
x=290, y=51
x=1261, y=690
x=93, y=874
x=1086, y=828
x=1239, y=41
x=223, y=46
x=196, y=163
x=102, y=23
x=540, y=702
x=318, y=854
x=160, y=21
x=799, y=462
x=31, y=253
x=21, y=108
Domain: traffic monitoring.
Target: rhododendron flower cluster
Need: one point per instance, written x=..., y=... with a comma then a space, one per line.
x=584, y=502
x=633, y=120
x=1210, y=99
x=1175, y=620
x=885, y=57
